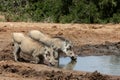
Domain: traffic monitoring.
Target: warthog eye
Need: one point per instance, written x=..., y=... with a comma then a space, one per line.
x=70, y=53
x=69, y=48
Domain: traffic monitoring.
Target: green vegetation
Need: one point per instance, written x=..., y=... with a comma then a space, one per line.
x=62, y=11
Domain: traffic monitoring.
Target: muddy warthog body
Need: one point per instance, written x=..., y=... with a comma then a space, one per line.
x=31, y=47
x=57, y=43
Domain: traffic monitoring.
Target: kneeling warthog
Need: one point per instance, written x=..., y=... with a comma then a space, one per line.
x=59, y=44
x=29, y=46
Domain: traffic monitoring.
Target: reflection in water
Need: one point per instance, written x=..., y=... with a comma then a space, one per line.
x=70, y=65
x=115, y=65
x=115, y=59
x=103, y=64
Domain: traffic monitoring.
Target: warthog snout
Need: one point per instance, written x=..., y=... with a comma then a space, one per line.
x=74, y=58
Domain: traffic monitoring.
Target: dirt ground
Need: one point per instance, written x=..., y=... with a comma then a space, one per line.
x=88, y=39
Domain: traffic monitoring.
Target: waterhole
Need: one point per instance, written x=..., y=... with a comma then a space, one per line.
x=103, y=64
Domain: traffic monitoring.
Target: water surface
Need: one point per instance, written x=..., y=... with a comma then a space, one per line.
x=103, y=64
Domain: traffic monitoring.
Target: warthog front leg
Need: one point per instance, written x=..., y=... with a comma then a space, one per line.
x=36, y=61
x=16, y=52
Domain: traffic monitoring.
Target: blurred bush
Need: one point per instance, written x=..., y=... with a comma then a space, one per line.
x=61, y=11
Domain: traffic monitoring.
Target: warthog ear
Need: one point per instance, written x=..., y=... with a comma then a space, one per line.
x=68, y=43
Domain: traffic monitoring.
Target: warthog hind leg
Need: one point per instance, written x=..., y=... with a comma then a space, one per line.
x=16, y=52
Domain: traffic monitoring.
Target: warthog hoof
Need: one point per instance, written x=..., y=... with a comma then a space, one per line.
x=56, y=64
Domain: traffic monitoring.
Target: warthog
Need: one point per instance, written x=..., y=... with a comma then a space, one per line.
x=57, y=43
x=29, y=46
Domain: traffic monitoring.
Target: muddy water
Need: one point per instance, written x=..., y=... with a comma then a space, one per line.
x=103, y=64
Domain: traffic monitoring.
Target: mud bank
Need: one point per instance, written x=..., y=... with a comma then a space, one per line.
x=107, y=48
x=25, y=70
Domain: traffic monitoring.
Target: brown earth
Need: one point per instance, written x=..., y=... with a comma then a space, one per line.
x=88, y=39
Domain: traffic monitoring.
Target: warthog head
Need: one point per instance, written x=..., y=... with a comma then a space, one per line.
x=49, y=55
x=68, y=49
x=64, y=46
